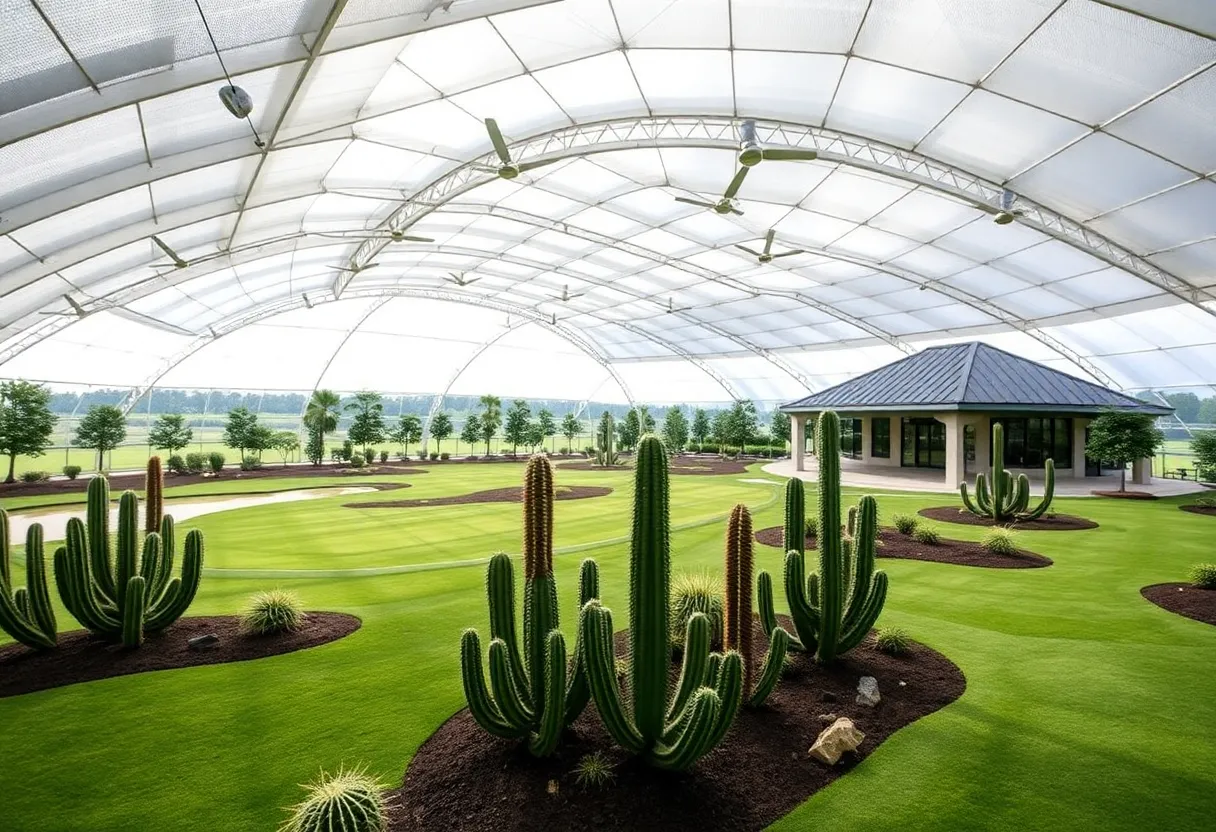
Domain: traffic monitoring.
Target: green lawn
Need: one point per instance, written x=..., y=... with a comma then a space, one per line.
x=1086, y=706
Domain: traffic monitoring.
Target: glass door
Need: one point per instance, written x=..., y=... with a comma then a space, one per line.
x=924, y=443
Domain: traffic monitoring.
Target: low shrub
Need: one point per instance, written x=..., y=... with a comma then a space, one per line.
x=1206, y=502
x=384, y=456
x=251, y=463
x=589, y=450
x=349, y=801
x=434, y=455
x=71, y=471
x=1203, y=575
x=812, y=527
x=215, y=461
x=195, y=463
x=35, y=476
x=594, y=770
x=926, y=535
x=894, y=641
x=563, y=450
x=905, y=523
x=357, y=461
x=176, y=464
x=271, y=612
x=369, y=456
x=693, y=592
x=1000, y=541
x=445, y=456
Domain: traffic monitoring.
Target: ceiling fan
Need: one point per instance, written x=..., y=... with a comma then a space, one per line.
x=509, y=169
x=752, y=153
x=726, y=204
x=178, y=262
x=307, y=300
x=80, y=312
x=767, y=256
x=354, y=270
x=461, y=280
x=1008, y=212
x=672, y=308
x=394, y=236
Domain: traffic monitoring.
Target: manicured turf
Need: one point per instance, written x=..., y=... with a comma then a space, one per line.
x=1086, y=708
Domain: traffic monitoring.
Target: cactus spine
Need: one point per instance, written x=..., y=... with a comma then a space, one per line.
x=738, y=628
x=129, y=592
x=529, y=695
x=671, y=729
x=26, y=614
x=1001, y=497
x=154, y=501
x=834, y=608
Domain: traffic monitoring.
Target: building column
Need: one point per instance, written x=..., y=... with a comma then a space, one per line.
x=866, y=430
x=955, y=457
x=1078, y=447
x=798, y=440
x=1142, y=471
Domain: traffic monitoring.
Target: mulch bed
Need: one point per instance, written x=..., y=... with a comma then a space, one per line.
x=1184, y=599
x=464, y=780
x=1125, y=495
x=1209, y=511
x=83, y=657
x=513, y=494
x=686, y=465
x=1059, y=522
x=896, y=545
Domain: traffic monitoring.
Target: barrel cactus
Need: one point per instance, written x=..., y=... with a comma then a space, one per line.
x=531, y=694
x=671, y=729
x=832, y=609
x=26, y=613
x=1001, y=497
x=738, y=627
x=126, y=592
x=349, y=801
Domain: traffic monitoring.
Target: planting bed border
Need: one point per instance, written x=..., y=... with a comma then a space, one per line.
x=511, y=494
x=904, y=547
x=679, y=466
x=1206, y=511
x=1058, y=523
x=1183, y=599
x=464, y=780
x=83, y=657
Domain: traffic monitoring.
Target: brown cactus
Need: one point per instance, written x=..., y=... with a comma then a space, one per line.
x=154, y=501
x=737, y=629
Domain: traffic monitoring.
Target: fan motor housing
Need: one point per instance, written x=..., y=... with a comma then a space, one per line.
x=750, y=154
x=236, y=101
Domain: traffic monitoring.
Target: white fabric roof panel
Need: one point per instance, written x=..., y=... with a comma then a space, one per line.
x=373, y=119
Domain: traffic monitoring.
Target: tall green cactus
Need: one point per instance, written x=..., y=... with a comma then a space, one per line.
x=530, y=695
x=671, y=729
x=795, y=515
x=125, y=593
x=26, y=614
x=738, y=628
x=1001, y=497
x=154, y=501
x=605, y=441
x=832, y=609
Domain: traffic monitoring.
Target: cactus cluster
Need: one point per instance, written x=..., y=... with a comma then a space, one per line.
x=1000, y=496
x=530, y=693
x=738, y=628
x=832, y=609
x=605, y=441
x=26, y=614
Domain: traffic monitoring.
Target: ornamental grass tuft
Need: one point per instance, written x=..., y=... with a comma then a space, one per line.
x=594, y=770
x=894, y=641
x=693, y=592
x=999, y=541
x=272, y=612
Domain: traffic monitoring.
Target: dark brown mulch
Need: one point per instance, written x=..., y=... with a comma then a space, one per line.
x=1125, y=495
x=1209, y=511
x=464, y=780
x=170, y=499
x=83, y=657
x=1058, y=522
x=687, y=465
x=1184, y=599
x=513, y=494
x=896, y=545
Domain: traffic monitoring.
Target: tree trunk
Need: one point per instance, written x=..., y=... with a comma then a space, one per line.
x=12, y=465
x=101, y=458
x=1123, y=477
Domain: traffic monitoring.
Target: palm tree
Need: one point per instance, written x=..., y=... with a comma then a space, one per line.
x=322, y=412
x=491, y=418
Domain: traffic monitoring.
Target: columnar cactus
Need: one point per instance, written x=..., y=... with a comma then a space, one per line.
x=154, y=502
x=532, y=696
x=738, y=627
x=1003, y=498
x=795, y=515
x=835, y=608
x=129, y=592
x=605, y=439
x=26, y=614
x=672, y=729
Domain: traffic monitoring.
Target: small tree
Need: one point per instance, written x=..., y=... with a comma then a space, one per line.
x=170, y=433
x=779, y=428
x=1203, y=445
x=287, y=443
x=322, y=412
x=700, y=429
x=740, y=424
x=547, y=426
x=409, y=429
x=629, y=431
x=516, y=429
x=1121, y=438
x=315, y=449
x=571, y=427
x=720, y=429
x=471, y=432
x=441, y=429
x=26, y=421
x=534, y=435
x=675, y=430
x=490, y=419
x=103, y=428
x=236, y=430
x=259, y=438
x=367, y=427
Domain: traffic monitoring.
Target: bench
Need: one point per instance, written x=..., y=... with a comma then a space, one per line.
x=1181, y=473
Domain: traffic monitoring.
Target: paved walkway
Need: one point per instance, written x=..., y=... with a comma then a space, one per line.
x=911, y=479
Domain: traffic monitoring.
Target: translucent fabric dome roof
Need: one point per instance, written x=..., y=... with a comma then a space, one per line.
x=148, y=237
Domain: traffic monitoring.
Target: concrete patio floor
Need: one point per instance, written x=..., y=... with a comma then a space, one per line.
x=918, y=479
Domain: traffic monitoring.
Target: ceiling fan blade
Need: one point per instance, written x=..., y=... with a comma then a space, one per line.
x=736, y=211
x=500, y=145
x=409, y=238
x=789, y=253
x=177, y=261
x=59, y=314
x=768, y=240
x=538, y=163
x=736, y=183
x=789, y=154
x=748, y=250
x=340, y=268
x=698, y=202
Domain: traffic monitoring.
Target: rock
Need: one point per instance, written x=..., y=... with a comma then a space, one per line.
x=867, y=692
x=203, y=642
x=827, y=696
x=902, y=683
x=827, y=717
x=835, y=740
x=552, y=787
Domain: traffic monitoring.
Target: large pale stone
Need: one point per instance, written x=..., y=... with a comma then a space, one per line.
x=867, y=692
x=835, y=740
